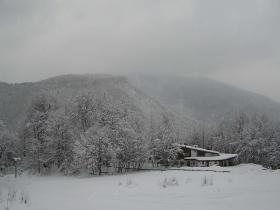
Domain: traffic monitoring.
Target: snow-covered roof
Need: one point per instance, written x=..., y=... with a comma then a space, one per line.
x=199, y=149
x=221, y=156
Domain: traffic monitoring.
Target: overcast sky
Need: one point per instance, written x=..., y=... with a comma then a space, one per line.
x=236, y=41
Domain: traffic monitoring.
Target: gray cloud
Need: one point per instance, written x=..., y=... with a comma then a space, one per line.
x=232, y=41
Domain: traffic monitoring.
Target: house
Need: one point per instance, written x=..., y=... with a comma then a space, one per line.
x=195, y=156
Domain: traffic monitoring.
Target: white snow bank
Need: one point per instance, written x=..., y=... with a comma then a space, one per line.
x=245, y=187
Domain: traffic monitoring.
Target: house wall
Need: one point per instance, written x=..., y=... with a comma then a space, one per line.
x=197, y=163
x=193, y=153
x=208, y=154
x=201, y=163
x=212, y=163
x=230, y=162
x=205, y=163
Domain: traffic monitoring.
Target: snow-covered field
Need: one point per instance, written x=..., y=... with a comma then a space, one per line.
x=245, y=187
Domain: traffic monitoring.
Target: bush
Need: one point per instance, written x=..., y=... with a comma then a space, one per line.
x=207, y=181
x=169, y=182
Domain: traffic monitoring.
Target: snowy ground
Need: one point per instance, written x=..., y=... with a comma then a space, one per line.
x=245, y=187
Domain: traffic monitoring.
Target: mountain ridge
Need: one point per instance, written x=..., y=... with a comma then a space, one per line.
x=189, y=100
x=17, y=98
x=203, y=98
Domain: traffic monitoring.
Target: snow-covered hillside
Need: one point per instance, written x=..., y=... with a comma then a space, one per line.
x=244, y=187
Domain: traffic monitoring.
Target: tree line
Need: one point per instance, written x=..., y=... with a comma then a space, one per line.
x=94, y=133
x=255, y=137
x=99, y=134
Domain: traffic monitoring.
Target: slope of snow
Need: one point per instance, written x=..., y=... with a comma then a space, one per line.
x=248, y=187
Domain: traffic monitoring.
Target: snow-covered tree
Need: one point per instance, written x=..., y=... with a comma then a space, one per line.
x=253, y=137
x=130, y=146
x=162, y=148
x=8, y=146
x=99, y=151
x=83, y=111
x=37, y=141
x=62, y=136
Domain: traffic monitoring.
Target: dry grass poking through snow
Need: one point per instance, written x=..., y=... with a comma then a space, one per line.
x=11, y=198
x=245, y=187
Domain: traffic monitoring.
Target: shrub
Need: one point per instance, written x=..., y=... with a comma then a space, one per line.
x=207, y=181
x=169, y=182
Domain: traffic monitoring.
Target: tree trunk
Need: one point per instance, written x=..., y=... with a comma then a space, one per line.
x=100, y=170
x=39, y=167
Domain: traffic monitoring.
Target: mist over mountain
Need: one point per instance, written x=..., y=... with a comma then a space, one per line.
x=204, y=99
x=186, y=99
x=17, y=98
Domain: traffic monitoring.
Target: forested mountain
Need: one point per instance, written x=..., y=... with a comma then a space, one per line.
x=202, y=98
x=84, y=122
x=95, y=122
x=17, y=98
x=189, y=99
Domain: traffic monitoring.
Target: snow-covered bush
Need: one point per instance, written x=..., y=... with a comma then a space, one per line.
x=128, y=182
x=207, y=181
x=13, y=197
x=169, y=182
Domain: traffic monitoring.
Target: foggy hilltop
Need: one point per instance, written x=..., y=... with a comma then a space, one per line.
x=202, y=98
x=17, y=98
x=186, y=99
